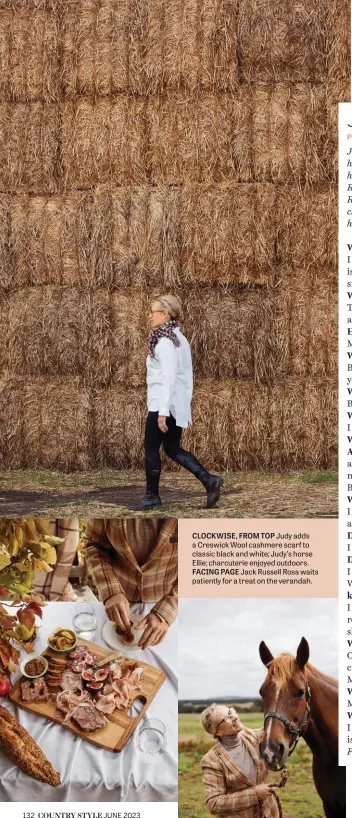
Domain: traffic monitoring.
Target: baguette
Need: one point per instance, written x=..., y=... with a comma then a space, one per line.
x=18, y=745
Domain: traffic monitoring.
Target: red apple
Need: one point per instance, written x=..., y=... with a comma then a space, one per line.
x=4, y=687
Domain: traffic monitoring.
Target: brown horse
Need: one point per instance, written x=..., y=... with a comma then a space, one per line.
x=299, y=700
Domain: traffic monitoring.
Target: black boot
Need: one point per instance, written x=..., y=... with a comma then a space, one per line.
x=151, y=498
x=149, y=501
x=211, y=482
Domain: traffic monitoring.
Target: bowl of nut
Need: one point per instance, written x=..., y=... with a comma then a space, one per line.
x=62, y=640
x=34, y=666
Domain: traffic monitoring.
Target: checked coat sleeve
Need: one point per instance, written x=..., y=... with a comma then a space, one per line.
x=228, y=791
x=114, y=569
x=100, y=556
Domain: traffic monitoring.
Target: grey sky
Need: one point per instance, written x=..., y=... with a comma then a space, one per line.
x=219, y=640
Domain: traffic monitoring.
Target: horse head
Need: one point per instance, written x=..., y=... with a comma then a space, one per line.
x=286, y=697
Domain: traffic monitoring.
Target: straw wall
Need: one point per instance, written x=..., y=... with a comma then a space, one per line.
x=187, y=147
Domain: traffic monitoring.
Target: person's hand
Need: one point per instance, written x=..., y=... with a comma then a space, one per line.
x=162, y=423
x=263, y=791
x=118, y=610
x=154, y=630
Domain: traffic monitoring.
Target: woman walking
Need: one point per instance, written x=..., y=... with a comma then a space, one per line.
x=169, y=395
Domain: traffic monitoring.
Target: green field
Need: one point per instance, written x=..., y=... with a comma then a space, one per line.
x=299, y=798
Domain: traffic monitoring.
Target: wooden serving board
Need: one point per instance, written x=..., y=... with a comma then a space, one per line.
x=120, y=726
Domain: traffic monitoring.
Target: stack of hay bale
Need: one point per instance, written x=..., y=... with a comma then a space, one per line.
x=191, y=147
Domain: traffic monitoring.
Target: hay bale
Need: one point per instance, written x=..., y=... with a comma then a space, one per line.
x=46, y=331
x=232, y=333
x=29, y=134
x=307, y=321
x=200, y=45
x=255, y=426
x=265, y=133
x=95, y=47
x=45, y=240
x=289, y=133
x=11, y=422
x=44, y=424
x=307, y=226
x=191, y=137
x=118, y=420
x=338, y=39
x=282, y=42
x=28, y=56
x=337, y=91
x=56, y=419
x=103, y=141
x=130, y=328
x=303, y=424
x=8, y=277
x=228, y=233
x=148, y=46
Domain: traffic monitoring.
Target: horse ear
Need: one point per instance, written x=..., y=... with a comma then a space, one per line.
x=302, y=653
x=265, y=654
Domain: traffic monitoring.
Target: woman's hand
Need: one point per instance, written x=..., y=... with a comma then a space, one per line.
x=154, y=630
x=118, y=610
x=263, y=791
x=162, y=423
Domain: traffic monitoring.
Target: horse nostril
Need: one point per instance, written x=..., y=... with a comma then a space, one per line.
x=280, y=752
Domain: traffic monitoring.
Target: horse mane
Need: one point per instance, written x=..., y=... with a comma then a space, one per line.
x=284, y=666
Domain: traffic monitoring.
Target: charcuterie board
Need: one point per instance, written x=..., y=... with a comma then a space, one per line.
x=120, y=725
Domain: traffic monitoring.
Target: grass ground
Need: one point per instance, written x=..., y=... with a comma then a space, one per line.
x=107, y=493
x=299, y=798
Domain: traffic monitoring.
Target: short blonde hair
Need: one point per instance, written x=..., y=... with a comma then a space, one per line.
x=207, y=719
x=170, y=303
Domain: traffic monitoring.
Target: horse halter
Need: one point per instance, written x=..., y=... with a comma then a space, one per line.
x=297, y=731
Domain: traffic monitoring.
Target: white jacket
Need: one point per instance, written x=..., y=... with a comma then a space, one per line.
x=170, y=380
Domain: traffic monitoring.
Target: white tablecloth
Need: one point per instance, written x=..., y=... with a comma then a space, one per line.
x=89, y=773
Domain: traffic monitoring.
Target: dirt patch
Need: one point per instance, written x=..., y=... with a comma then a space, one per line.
x=108, y=493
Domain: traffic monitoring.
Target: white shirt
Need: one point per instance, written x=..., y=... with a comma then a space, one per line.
x=170, y=380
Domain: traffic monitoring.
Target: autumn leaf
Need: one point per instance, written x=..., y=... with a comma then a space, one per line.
x=43, y=566
x=36, y=608
x=26, y=617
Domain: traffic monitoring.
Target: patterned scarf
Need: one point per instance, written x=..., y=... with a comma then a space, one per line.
x=165, y=331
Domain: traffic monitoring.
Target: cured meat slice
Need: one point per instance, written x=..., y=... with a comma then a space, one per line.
x=71, y=681
x=78, y=666
x=106, y=704
x=78, y=652
x=89, y=718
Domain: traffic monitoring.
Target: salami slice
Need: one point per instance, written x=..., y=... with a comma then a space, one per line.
x=78, y=666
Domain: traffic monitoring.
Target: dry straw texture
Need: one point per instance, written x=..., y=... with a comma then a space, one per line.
x=183, y=44
x=28, y=146
x=46, y=423
x=146, y=147
x=28, y=55
x=293, y=42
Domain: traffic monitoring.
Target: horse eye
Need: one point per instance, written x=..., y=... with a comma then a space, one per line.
x=300, y=693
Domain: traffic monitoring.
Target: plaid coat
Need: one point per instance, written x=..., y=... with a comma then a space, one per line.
x=227, y=790
x=52, y=585
x=114, y=568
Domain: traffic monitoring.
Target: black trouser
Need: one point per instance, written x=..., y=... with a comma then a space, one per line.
x=171, y=441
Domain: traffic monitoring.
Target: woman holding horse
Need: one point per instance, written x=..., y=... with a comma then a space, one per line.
x=234, y=775
x=169, y=394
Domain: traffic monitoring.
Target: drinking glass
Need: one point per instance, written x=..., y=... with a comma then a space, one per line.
x=85, y=621
x=151, y=737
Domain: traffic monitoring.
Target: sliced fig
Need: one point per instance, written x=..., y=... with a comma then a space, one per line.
x=94, y=687
x=88, y=676
x=100, y=675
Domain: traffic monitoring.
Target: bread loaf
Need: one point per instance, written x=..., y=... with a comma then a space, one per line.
x=18, y=745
